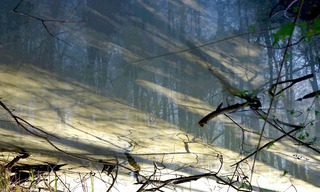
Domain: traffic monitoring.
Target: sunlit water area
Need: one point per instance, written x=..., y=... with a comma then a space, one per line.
x=113, y=92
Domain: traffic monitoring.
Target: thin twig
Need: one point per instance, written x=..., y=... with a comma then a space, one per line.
x=292, y=44
x=288, y=134
x=264, y=146
x=16, y=119
x=275, y=89
x=44, y=21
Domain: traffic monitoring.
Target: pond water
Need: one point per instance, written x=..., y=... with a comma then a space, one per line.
x=128, y=81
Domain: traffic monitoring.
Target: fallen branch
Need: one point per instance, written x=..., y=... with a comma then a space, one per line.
x=16, y=159
x=291, y=81
x=310, y=95
x=220, y=111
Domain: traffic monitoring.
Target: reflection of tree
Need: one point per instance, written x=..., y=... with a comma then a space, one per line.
x=170, y=44
x=45, y=22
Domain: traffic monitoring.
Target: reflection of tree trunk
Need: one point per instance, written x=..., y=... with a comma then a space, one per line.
x=270, y=60
x=289, y=93
x=46, y=58
x=221, y=19
x=270, y=55
x=165, y=105
x=315, y=87
x=182, y=114
x=229, y=132
x=279, y=162
x=89, y=72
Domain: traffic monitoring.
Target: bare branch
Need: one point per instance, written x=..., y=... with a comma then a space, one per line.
x=44, y=22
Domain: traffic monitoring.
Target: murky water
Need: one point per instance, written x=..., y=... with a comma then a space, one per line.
x=119, y=78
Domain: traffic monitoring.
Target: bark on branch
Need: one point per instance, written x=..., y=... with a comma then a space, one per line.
x=220, y=111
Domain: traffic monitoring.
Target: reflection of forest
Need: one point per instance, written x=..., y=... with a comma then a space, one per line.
x=131, y=69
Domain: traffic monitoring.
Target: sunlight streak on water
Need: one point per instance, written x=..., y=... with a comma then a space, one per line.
x=103, y=127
